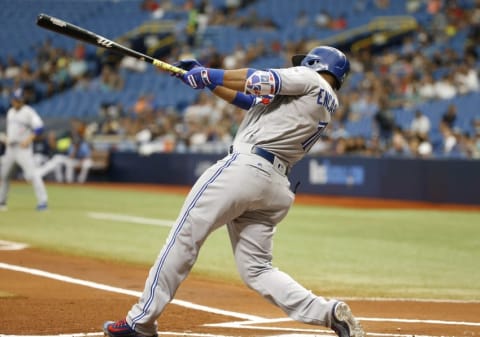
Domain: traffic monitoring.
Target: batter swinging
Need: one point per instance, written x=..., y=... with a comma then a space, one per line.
x=249, y=190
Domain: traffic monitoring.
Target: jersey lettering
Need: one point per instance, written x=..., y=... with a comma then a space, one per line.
x=306, y=145
x=327, y=100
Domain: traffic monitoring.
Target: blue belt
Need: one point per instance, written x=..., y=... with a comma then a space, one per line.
x=270, y=157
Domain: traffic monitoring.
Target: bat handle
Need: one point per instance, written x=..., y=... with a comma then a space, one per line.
x=168, y=67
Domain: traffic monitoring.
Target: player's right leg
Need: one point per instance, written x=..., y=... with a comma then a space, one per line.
x=8, y=160
x=206, y=208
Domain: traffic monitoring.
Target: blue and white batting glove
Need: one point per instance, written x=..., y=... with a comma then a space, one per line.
x=197, y=78
x=189, y=64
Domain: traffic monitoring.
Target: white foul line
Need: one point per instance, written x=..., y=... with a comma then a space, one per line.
x=10, y=245
x=134, y=293
x=92, y=334
x=250, y=320
x=130, y=218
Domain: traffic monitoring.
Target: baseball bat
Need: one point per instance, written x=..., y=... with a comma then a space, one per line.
x=66, y=28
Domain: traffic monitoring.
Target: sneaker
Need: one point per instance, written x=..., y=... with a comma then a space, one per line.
x=121, y=329
x=3, y=207
x=343, y=322
x=42, y=207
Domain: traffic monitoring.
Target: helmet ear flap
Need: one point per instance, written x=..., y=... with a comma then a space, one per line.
x=325, y=59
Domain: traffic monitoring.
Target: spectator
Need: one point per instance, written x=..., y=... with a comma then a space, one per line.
x=445, y=87
x=449, y=141
x=143, y=107
x=149, y=5
x=201, y=110
x=426, y=88
x=78, y=67
x=323, y=19
x=385, y=121
x=12, y=68
x=466, y=79
x=420, y=125
x=339, y=23
x=110, y=80
x=399, y=146
x=302, y=19
x=450, y=116
x=425, y=148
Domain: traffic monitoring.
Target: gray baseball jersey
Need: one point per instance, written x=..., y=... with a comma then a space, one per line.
x=293, y=121
x=247, y=192
x=21, y=124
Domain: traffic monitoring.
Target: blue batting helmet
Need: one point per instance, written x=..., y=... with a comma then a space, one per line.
x=17, y=94
x=325, y=59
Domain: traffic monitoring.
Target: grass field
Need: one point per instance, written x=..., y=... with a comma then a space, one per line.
x=331, y=250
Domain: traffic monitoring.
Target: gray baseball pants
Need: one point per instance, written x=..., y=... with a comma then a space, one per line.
x=24, y=158
x=245, y=192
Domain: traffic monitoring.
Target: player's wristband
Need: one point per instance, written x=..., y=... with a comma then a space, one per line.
x=38, y=131
x=243, y=101
x=215, y=76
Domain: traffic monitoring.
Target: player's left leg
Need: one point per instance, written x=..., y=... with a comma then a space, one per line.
x=85, y=166
x=251, y=236
x=26, y=162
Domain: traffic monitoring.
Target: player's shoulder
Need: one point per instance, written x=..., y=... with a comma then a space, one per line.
x=29, y=109
x=296, y=71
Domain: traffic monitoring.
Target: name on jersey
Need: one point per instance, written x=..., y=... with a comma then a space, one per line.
x=327, y=100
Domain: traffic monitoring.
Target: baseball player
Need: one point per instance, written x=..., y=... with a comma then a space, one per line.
x=249, y=191
x=23, y=124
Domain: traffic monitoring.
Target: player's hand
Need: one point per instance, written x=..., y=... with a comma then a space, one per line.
x=187, y=64
x=197, y=78
x=26, y=143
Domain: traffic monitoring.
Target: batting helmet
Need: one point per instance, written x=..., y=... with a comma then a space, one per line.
x=325, y=59
x=17, y=94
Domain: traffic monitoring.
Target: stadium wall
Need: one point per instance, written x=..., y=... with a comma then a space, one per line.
x=438, y=181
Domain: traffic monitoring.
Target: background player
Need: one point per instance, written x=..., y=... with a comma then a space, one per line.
x=249, y=189
x=23, y=124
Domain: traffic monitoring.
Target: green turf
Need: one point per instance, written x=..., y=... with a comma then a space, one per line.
x=333, y=251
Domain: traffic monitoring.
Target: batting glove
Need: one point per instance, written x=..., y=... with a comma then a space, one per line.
x=197, y=78
x=187, y=64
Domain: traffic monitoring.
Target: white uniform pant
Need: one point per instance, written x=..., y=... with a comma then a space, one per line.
x=24, y=158
x=60, y=163
x=246, y=193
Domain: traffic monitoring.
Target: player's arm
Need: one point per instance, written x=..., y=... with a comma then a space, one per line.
x=37, y=127
x=29, y=140
x=237, y=98
x=251, y=81
x=232, y=96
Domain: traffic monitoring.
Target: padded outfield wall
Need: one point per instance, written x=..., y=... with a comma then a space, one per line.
x=436, y=180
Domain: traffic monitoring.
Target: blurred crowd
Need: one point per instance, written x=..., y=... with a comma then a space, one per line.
x=404, y=75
